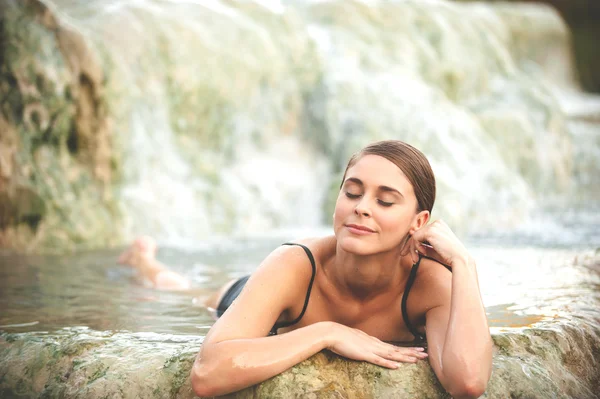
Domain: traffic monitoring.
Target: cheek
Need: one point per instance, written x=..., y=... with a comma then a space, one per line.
x=398, y=224
x=342, y=209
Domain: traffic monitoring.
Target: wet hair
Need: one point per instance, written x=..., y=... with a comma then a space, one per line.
x=411, y=162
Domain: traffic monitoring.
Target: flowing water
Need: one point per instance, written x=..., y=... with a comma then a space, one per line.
x=219, y=105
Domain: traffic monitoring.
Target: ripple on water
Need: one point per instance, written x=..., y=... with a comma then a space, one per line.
x=521, y=287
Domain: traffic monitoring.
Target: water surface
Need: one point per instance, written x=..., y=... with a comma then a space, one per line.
x=521, y=285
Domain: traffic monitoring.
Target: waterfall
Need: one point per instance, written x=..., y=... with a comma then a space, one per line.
x=238, y=117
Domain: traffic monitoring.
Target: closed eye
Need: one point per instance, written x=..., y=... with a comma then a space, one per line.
x=383, y=203
x=352, y=196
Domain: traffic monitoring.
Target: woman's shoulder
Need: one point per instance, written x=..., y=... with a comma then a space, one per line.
x=433, y=281
x=294, y=259
x=319, y=248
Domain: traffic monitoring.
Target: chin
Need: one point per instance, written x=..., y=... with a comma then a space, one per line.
x=356, y=245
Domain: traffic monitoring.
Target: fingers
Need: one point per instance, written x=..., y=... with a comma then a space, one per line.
x=359, y=345
x=426, y=250
x=420, y=243
x=422, y=234
x=414, y=252
x=400, y=354
x=430, y=239
x=380, y=361
x=404, y=354
x=393, y=359
x=418, y=248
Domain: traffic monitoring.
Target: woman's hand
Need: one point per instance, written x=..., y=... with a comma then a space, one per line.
x=437, y=241
x=355, y=344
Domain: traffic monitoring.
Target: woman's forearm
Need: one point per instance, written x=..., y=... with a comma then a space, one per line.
x=231, y=365
x=467, y=353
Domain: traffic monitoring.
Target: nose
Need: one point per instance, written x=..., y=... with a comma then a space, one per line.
x=362, y=208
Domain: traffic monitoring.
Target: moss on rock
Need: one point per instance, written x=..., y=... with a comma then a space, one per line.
x=56, y=163
x=550, y=360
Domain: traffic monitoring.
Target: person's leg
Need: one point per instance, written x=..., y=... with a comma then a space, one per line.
x=141, y=255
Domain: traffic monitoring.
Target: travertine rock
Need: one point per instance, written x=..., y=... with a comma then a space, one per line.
x=55, y=134
x=547, y=361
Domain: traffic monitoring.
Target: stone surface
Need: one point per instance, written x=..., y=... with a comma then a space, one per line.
x=79, y=363
x=542, y=362
x=56, y=161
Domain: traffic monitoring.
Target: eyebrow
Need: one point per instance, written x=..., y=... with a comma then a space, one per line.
x=382, y=188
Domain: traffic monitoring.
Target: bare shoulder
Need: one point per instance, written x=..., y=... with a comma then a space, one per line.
x=291, y=266
x=433, y=284
x=285, y=263
x=317, y=245
x=273, y=290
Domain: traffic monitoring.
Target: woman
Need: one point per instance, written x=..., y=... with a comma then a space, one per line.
x=349, y=292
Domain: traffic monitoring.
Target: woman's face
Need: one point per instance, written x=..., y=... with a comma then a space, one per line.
x=376, y=207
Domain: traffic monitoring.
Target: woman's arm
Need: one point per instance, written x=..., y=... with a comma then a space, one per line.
x=230, y=365
x=237, y=352
x=460, y=345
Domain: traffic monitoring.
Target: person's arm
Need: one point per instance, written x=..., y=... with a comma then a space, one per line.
x=228, y=366
x=458, y=336
x=237, y=352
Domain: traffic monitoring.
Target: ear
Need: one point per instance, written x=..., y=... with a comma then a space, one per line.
x=419, y=221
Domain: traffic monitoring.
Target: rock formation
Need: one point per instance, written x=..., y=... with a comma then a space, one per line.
x=556, y=361
x=56, y=160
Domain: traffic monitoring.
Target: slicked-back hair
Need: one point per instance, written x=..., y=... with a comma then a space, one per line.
x=411, y=162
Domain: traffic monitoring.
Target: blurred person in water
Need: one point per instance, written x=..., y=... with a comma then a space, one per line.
x=349, y=292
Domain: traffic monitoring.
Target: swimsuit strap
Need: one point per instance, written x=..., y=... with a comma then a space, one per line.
x=312, y=279
x=437, y=261
x=409, y=283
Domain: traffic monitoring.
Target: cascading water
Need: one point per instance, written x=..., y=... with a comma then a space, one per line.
x=238, y=117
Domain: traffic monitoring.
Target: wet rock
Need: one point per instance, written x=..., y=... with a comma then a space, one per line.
x=552, y=360
x=56, y=160
x=79, y=363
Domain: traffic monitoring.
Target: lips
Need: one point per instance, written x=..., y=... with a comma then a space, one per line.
x=360, y=228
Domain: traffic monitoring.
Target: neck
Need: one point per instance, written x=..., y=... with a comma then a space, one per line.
x=365, y=277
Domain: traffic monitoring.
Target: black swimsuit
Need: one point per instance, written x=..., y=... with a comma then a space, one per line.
x=235, y=290
x=232, y=293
